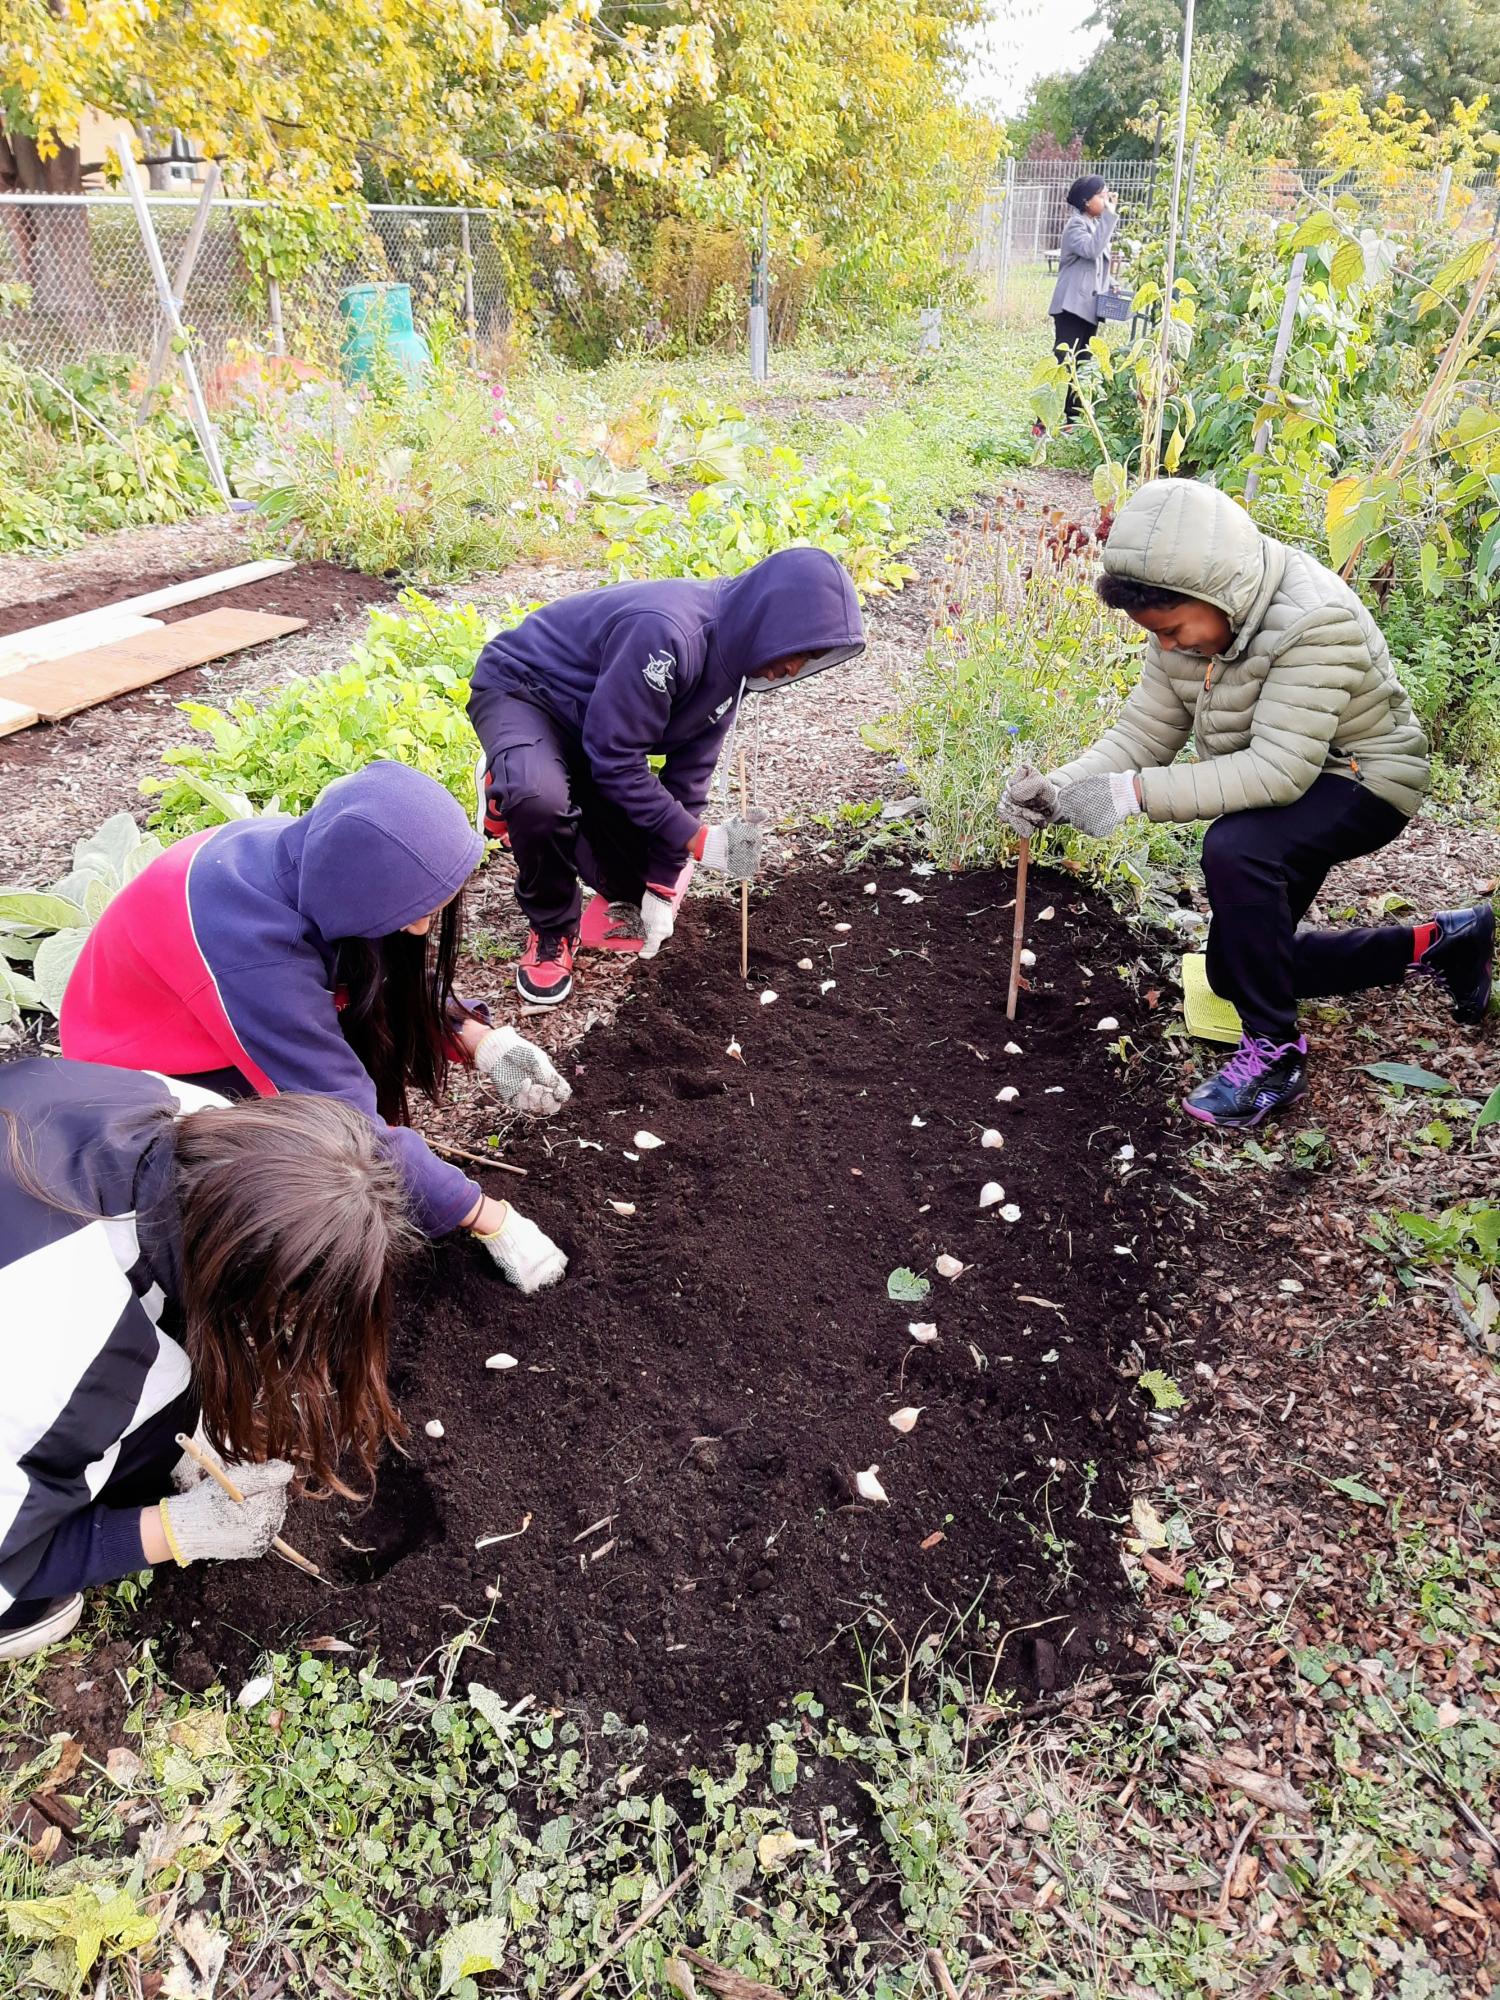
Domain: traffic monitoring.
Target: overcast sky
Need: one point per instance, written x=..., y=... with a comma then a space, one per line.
x=1022, y=40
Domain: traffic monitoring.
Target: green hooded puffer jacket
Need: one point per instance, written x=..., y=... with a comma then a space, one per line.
x=1305, y=686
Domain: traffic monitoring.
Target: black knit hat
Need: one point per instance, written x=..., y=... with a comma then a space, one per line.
x=1083, y=190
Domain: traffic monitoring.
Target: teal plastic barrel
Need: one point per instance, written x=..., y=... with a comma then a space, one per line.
x=378, y=324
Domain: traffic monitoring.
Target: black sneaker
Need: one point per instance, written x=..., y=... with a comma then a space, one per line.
x=1463, y=957
x=1264, y=1077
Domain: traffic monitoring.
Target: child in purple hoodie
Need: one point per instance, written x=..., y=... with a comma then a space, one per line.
x=571, y=703
x=317, y=955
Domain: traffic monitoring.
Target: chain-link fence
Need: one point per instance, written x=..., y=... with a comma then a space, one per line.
x=75, y=281
x=1013, y=258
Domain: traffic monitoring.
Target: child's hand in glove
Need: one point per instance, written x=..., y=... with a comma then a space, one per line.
x=205, y=1525
x=735, y=846
x=526, y=1257
x=658, y=918
x=1029, y=801
x=1097, y=805
x=523, y=1075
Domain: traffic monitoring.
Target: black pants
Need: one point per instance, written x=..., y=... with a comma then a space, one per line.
x=561, y=826
x=1073, y=337
x=1263, y=869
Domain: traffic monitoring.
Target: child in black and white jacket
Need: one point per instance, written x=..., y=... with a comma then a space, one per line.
x=165, y=1254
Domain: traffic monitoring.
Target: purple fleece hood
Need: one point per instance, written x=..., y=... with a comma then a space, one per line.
x=379, y=849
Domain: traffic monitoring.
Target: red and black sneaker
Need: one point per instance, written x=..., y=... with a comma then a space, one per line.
x=544, y=977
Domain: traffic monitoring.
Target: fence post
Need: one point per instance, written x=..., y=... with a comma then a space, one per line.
x=278, y=330
x=125, y=147
x=1151, y=463
x=760, y=302
x=467, y=247
x=1007, y=232
x=185, y=265
x=1444, y=188
x=1278, y=362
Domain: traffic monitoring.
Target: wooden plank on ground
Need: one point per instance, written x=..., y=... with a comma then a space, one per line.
x=62, y=687
x=15, y=644
x=16, y=715
x=56, y=642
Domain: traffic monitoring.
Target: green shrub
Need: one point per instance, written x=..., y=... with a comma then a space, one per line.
x=727, y=527
x=43, y=931
x=75, y=461
x=404, y=695
x=1032, y=668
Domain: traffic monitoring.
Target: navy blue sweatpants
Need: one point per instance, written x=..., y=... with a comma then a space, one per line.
x=561, y=826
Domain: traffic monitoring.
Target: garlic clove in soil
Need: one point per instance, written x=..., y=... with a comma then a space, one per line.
x=1107, y=1025
x=1008, y=1095
x=502, y=1361
x=647, y=1142
x=768, y=997
x=918, y=1122
x=733, y=1049
x=1046, y=916
x=804, y=965
x=868, y=1486
x=948, y=1267
x=623, y=1207
x=827, y=985
x=922, y=1329
x=254, y=1692
x=990, y=1193
x=1028, y=960
x=1012, y=1048
x=991, y=1138
x=905, y=1420
x=871, y=888
x=433, y=1428
x=1010, y=1213
x=841, y=927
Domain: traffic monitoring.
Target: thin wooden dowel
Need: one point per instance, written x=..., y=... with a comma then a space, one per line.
x=476, y=1159
x=1018, y=935
x=221, y=1478
x=744, y=886
x=653, y=1909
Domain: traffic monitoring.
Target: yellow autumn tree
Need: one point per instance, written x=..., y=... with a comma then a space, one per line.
x=464, y=102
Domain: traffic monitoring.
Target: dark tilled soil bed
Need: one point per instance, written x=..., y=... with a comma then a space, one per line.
x=313, y=590
x=692, y=1404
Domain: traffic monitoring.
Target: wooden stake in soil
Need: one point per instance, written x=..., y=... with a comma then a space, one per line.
x=220, y=1478
x=1018, y=935
x=475, y=1159
x=654, y=1908
x=744, y=886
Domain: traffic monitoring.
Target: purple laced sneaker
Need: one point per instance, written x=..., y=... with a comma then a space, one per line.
x=1261, y=1077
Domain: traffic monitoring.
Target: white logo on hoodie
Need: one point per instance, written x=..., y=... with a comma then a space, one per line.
x=723, y=708
x=658, y=672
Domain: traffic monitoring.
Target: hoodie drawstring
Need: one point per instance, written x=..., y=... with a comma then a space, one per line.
x=726, y=755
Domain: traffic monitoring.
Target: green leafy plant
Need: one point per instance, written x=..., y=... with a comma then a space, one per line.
x=726, y=527
x=905, y=1286
x=403, y=695
x=45, y=930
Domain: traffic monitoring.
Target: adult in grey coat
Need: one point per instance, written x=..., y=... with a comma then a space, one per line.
x=1082, y=269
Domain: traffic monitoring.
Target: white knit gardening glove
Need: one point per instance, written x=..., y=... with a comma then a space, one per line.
x=525, y=1256
x=1097, y=805
x=205, y=1525
x=523, y=1075
x=734, y=848
x=1029, y=801
x=658, y=920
